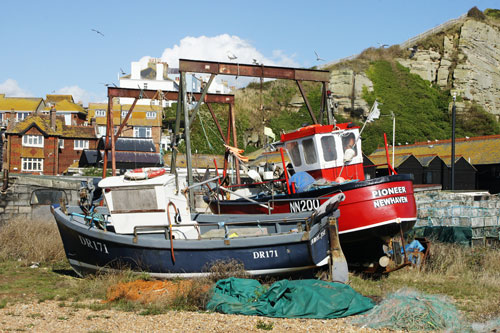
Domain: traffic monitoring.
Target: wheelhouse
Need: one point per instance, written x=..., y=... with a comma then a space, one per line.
x=325, y=151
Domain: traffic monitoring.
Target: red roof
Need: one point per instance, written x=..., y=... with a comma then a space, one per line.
x=313, y=129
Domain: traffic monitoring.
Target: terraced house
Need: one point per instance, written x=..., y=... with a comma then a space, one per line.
x=44, y=144
x=144, y=121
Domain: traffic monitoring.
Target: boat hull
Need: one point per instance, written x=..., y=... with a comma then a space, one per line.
x=90, y=250
x=373, y=211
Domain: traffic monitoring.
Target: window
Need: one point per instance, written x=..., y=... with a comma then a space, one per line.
x=22, y=115
x=101, y=131
x=31, y=164
x=150, y=114
x=124, y=114
x=100, y=113
x=328, y=146
x=61, y=143
x=142, y=132
x=47, y=197
x=81, y=144
x=349, y=142
x=309, y=151
x=33, y=141
x=293, y=151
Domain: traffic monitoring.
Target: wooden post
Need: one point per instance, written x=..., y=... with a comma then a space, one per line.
x=337, y=264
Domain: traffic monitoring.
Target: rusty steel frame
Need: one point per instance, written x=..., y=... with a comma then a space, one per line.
x=266, y=72
x=213, y=68
x=137, y=94
x=263, y=72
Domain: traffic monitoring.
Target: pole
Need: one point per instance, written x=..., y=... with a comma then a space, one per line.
x=393, y=135
x=187, y=135
x=453, y=116
x=177, y=127
x=285, y=171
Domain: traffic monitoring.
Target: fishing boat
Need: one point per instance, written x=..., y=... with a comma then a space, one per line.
x=327, y=159
x=148, y=222
x=147, y=226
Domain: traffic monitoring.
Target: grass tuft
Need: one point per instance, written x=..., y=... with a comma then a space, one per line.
x=30, y=241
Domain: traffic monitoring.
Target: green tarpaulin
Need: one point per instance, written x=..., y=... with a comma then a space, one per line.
x=287, y=299
x=444, y=234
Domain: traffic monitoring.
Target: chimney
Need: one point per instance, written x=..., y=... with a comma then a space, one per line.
x=53, y=117
x=159, y=71
x=12, y=119
x=135, y=70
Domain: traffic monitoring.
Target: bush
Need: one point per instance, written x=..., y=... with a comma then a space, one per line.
x=493, y=13
x=475, y=13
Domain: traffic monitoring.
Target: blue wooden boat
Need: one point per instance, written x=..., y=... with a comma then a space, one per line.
x=147, y=227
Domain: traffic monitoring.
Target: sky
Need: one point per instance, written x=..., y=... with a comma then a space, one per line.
x=49, y=46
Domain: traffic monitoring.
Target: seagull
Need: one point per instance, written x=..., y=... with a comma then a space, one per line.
x=413, y=51
x=255, y=62
x=109, y=84
x=382, y=45
x=317, y=57
x=231, y=56
x=97, y=31
x=122, y=71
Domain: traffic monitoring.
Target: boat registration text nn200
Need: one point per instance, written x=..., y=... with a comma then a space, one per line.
x=304, y=205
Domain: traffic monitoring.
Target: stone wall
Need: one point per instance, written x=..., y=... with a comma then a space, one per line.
x=15, y=202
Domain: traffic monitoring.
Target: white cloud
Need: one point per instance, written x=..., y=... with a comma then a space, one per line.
x=81, y=95
x=217, y=49
x=11, y=89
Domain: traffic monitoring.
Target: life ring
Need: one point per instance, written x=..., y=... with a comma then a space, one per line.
x=144, y=173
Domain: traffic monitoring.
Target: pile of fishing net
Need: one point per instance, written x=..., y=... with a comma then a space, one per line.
x=410, y=310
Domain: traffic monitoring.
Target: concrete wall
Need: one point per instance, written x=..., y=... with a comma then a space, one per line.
x=15, y=202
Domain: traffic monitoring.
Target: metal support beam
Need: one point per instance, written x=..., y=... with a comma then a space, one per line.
x=235, y=143
x=177, y=128
x=106, y=140
x=124, y=122
x=167, y=95
x=112, y=134
x=309, y=109
x=268, y=72
x=216, y=121
x=200, y=101
x=323, y=103
x=187, y=138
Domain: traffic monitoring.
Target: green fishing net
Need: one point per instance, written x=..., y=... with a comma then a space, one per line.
x=410, y=310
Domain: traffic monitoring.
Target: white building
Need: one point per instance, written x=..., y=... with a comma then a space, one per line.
x=158, y=76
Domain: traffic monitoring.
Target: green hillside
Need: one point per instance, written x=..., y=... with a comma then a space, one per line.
x=422, y=110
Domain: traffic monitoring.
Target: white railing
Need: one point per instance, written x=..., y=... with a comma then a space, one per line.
x=435, y=30
x=409, y=42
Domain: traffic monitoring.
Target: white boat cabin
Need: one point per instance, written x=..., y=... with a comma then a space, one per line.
x=143, y=203
x=325, y=151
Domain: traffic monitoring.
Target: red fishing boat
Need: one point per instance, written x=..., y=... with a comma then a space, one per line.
x=373, y=211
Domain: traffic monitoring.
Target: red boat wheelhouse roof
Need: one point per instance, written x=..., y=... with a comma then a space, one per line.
x=314, y=129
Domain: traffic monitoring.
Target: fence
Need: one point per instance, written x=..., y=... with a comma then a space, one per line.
x=410, y=42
